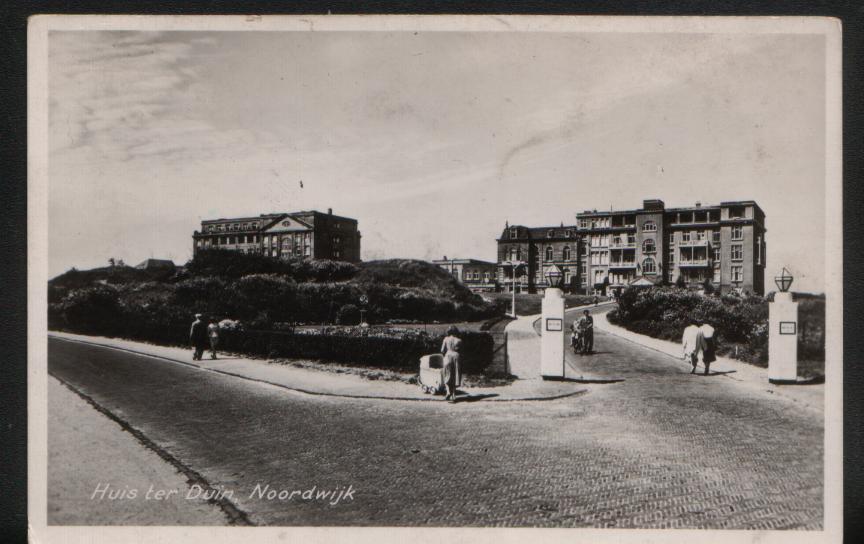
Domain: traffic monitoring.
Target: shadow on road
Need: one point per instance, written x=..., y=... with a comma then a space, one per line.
x=475, y=398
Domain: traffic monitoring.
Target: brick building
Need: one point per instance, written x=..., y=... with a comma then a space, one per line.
x=307, y=234
x=722, y=244
x=537, y=248
x=479, y=276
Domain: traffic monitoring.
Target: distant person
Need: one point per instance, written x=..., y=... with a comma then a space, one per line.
x=709, y=352
x=596, y=301
x=198, y=337
x=692, y=343
x=213, y=336
x=586, y=328
x=451, y=373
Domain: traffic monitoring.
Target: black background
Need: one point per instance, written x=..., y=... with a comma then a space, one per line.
x=13, y=161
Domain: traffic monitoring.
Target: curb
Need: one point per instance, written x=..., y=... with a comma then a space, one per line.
x=307, y=391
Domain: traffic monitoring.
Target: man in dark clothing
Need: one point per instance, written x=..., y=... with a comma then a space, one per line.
x=198, y=337
x=586, y=325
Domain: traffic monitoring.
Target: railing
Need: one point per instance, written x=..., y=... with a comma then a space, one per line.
x=622, y=264
x=694, y=262
x=693, y=243
x=621, y=244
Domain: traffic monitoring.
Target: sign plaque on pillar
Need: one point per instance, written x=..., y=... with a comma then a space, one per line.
x=783, y=333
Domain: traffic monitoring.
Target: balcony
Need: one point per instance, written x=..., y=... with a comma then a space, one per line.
x=694, y=263
x=622, y=244
x=622, y=265
x=693, y=243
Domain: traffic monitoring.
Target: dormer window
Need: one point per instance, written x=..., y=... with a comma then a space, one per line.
x=514, y=232
x=550, y=233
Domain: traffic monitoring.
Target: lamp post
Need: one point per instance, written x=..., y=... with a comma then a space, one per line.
x=513, y=264
x=783, y=333
x=552, y=326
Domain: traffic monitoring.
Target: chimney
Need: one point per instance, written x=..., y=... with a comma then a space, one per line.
x=445, y=257
x=329, y=211
x=698, y=204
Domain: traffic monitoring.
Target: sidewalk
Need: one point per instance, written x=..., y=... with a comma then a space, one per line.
x=812, y=396
x=316, y=382
x=523, y=346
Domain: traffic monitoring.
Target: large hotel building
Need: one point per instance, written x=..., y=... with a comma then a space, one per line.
x=309, y=234
x=606, y=251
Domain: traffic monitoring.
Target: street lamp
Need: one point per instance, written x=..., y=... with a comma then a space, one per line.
x=513, y=266
x=784, y=280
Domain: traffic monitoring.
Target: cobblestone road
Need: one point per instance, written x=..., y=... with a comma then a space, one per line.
x=660, y=449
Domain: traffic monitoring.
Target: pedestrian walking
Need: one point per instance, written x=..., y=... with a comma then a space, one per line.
x=709, y=352
x=692, y=343
x=451, y=373
x=586, y=328
x=213, y=336
x=198, y=337
x=596, y=301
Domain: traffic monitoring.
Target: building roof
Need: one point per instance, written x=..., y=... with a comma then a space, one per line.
x=463, y=261
x=156, y=263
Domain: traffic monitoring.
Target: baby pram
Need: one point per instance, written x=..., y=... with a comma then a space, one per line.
x=431, y=374
x=577, y=340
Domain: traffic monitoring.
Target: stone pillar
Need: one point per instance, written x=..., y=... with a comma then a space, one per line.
x=552, y=335
x=783, y=339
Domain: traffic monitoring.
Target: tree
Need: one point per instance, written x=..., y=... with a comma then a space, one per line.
x=680, y=281
x=111, y=262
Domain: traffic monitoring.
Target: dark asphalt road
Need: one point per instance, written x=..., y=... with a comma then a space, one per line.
x=660, y=449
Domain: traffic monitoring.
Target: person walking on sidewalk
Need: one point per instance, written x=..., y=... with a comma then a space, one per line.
x=709, y=352
x=198, y=337
x=586, y=325
x=451, y=373
x=692, y=343
x=213, y=335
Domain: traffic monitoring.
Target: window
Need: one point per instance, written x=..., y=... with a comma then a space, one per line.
x=486, y=277
x=685, y=236
x=337, y=254
x=550, y=233
x=715, y=236
x=514, y=233
x=737, y=232
x=737, y=273
x=648, y=246
x=648, y=266
x=716, y=278
x=584, y=224
x=568, y=233
x=700, y=235
x=716, y=255
x=671, y=254
x=671, y=239
x=476, y=275
x=649, y=226
x=737, y=252
x=758, y=250
x=566, y=253
x=549, y=253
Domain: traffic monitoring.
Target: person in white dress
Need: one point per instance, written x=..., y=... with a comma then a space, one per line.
x=692, y=343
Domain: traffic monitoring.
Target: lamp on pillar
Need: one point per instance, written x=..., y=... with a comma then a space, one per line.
x=784, y=280
x=552, y=329
x=553, y=276
x=783, y=333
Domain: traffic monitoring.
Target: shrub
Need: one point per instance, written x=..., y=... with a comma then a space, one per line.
x=390, y=349
x=348, y=314
x=91, y=310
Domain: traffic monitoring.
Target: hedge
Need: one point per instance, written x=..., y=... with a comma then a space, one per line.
x=402, y=351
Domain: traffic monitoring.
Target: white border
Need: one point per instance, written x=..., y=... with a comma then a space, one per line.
x=38, y=250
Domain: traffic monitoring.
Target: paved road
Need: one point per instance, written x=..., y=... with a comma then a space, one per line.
x=660, y=449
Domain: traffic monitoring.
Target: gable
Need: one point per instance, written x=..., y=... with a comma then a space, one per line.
x=288, y=224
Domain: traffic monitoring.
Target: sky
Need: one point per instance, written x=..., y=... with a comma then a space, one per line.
x=432, y=140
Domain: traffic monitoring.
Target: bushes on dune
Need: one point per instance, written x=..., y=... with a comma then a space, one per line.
x=741, y=322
